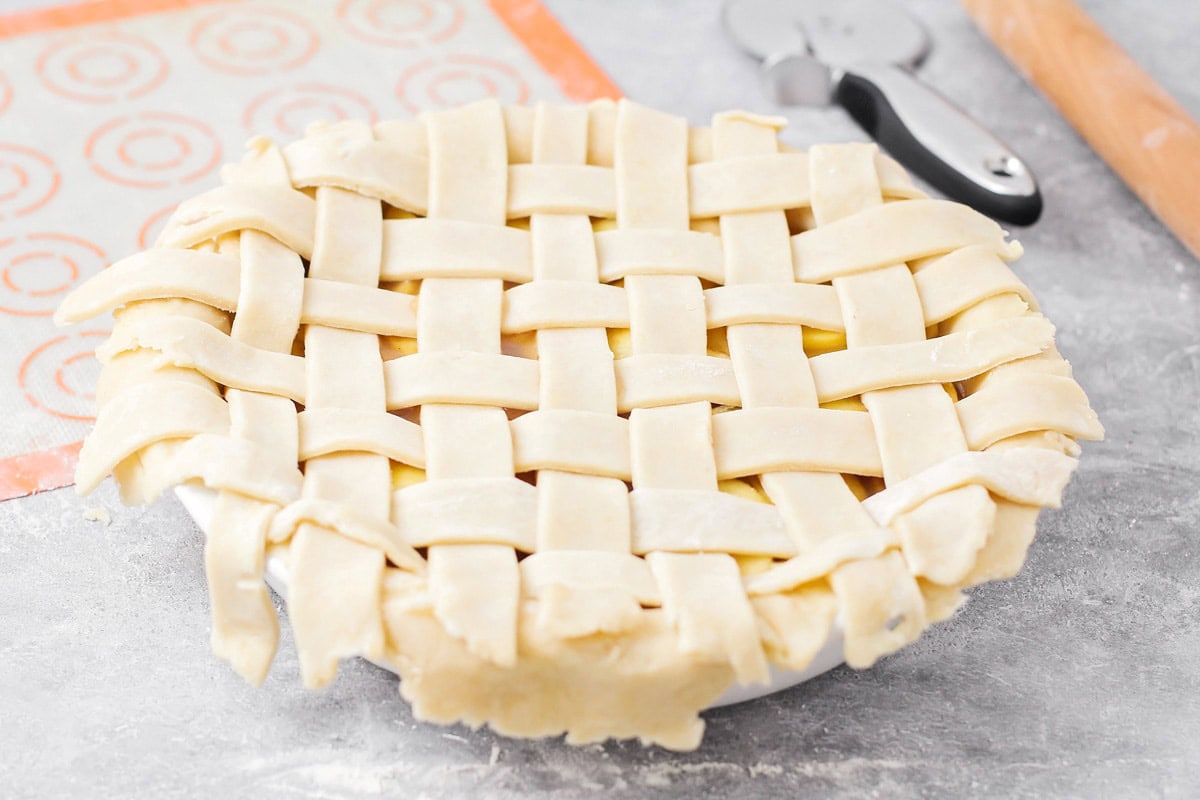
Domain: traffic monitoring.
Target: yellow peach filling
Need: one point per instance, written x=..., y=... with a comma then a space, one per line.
x=816, y=342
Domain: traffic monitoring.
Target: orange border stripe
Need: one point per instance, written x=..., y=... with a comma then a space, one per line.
x=86, y=13
x=556, y=50
x=36, y=472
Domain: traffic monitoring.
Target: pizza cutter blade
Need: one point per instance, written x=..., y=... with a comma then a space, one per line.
x=858, y=54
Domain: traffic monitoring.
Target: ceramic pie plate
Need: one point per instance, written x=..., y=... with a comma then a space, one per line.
x=199, y=504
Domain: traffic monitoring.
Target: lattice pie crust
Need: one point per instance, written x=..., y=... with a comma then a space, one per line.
x=575, y=415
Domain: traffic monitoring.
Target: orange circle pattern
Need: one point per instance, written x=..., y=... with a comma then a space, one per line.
x=153, y=150
x=449, y=81
x=401, y=23
x=28, y=179
x=148, y=233
x=254, y=41
x=102, y=68
x=161, y=150
x=38, y=268
x=57, y=376
x=286, y=112
x=6, y=93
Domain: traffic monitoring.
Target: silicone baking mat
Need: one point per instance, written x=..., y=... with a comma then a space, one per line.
x=112, y=112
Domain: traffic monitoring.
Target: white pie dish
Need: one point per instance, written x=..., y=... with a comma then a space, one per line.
x=199, y=501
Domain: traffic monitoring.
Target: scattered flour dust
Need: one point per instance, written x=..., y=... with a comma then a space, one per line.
x=765, y=769
x=99, y=514
x=1157, y=137
x=663, y=775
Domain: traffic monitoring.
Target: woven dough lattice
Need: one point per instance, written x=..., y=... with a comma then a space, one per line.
x=575, y=415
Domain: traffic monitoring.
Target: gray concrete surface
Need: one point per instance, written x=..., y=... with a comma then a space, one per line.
x=1077, y=679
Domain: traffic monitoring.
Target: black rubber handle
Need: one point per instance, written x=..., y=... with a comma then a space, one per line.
x=935, y=139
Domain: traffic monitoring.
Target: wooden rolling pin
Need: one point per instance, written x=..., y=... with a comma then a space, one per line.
x=1145, y=136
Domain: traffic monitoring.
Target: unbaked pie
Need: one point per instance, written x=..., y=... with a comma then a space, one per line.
x=576, y=416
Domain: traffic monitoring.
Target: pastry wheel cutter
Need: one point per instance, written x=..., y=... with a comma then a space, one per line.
x=859, y=54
